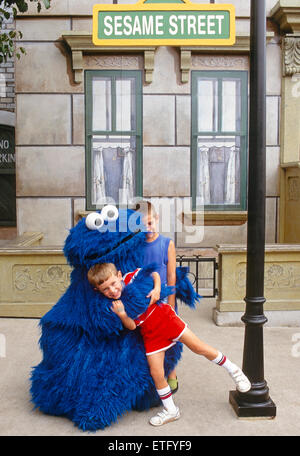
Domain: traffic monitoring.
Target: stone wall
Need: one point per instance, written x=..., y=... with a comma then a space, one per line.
x=281, y=285
x=50, y=124
x=50, y=152
x=32, y=280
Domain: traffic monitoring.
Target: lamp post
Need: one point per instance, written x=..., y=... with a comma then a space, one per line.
x=256, y=402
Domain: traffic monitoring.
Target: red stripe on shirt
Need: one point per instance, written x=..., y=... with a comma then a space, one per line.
x=127, y=278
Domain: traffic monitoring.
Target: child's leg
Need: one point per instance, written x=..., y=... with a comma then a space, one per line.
x=201, y=348
x=172, y=378
x=156, y=365
x=171, y=412
x=193, y=342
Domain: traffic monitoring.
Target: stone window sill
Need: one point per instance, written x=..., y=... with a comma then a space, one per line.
x=215, y=218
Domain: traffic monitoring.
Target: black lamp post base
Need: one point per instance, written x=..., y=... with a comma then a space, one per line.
x=266, y=410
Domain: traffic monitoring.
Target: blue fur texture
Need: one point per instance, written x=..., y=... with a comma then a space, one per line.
x=93, y=370
x=184, y=289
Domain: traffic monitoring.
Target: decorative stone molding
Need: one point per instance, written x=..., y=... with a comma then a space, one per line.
x=40, y=279
x=281, y=286
x=81, y=43
x=185, y=64
x=220, y=61
x=293, y=188
x=289, y=202
x=77, y=65
x=112, y=61
x=287, y=14
x=291, y=55
x=148, y=64
x=241, y=47
x=32, y=279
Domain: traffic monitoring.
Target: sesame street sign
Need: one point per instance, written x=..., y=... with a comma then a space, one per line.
x=163, y=24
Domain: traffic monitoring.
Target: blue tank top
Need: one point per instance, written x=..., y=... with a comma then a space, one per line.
x=157, y=252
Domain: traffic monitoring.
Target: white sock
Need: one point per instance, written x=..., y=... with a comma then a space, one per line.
x=165, y=395
x=221, y=360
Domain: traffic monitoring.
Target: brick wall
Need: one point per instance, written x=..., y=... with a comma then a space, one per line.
x=7, y=76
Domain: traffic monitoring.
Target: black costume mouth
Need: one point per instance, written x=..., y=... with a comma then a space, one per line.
x=126, y=239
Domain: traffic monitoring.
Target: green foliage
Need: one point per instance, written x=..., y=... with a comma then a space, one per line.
x=8, y=10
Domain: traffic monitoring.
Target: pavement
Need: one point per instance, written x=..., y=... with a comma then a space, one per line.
x=203, y=395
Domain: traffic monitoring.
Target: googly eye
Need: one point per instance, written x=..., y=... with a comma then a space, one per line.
x=110, y=213
x=94, y=221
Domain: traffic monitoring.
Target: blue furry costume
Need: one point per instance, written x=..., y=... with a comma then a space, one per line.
x=93, y=370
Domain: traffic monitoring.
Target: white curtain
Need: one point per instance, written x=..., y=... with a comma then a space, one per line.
x=204, y=181
x=126, y=191
x=230, y=180
x=99, y=178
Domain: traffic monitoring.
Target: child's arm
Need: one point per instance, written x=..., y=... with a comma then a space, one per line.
x=171, y=271
x=119, y=309
x=154, y=294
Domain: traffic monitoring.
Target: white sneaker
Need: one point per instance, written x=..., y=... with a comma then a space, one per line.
x=164, y=417
x=242, y=382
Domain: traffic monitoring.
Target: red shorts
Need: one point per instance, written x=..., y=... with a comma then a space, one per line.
x=161, y=328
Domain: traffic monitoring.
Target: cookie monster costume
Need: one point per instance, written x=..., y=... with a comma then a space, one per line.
x=93, y=370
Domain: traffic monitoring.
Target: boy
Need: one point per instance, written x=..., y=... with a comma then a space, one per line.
x=160, y=250
x=106, y=279
x=160, y=328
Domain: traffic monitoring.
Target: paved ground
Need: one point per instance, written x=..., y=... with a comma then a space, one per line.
x=202, y=396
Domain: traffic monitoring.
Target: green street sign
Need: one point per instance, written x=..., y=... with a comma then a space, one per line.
x=165, y=24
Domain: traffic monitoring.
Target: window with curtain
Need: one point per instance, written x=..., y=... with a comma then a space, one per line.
x=219, y=139
x=113, y=136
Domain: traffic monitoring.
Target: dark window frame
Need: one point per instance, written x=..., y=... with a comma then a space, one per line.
x=89, y=132
x=243, y=133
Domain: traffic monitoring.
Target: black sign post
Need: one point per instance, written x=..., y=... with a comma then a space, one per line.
x=256, y=403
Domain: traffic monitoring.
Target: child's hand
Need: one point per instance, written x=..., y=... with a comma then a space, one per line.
x=118, y=307
x=154, y=295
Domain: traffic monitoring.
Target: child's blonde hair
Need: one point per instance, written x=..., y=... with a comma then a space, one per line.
x=100, y=272
x=146, y=208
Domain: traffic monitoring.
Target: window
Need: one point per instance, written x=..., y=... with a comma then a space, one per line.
x=219, y=139
x=113, y=137
x=7, y=176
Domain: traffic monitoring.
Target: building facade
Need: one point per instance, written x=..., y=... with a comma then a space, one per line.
x=173, y=90
x=166, y=123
